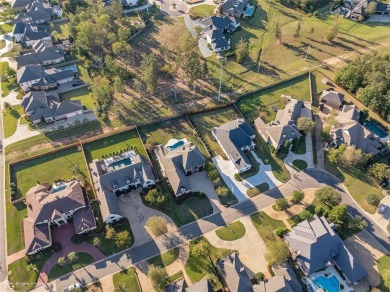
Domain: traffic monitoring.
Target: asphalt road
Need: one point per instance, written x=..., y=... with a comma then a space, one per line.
x=312, y=179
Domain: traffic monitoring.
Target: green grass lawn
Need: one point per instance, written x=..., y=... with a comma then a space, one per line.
x=165, y=259
x=82, y=94
x=59, y=30
x=84, y=259
x=231, y=232
x=6, y=28
x=14, y=52
x=171, y=279
x=383, y=265
x=161, y=133
x=2, y=44
x=204, y=122
x=20, y=278
x=49, y=168
x=257, y=190
x=299, y=164
x=126, y=280
x=357, y=182
x=265, y=226
x=202, y=10
x=9, y=82
x=114, y=143
x=83, y=73
x=10, y=119
x=198, y=268
x=299, y=145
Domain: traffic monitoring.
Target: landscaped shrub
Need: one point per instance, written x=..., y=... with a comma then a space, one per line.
x=297, y=196
x=155, y=198
x=319, y=210
x=280, y=232
x=373, y=199
x=237, y=177
x=258, y=278
x=305, y=215
x=281, y=204
x=222, y=191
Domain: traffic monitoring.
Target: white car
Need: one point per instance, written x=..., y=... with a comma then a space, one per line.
x=382, y=208
x=74, y=286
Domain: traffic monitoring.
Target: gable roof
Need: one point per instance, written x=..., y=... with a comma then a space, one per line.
x=290, y=113
x=201, y=286
x=42, y=76
x=274, y=284
x=332, y=96
x=83, y=220
x=177, y=286
x=19, y=4
x=37, y=58
x=35, y=33
x=35, y=236
x=232, y=7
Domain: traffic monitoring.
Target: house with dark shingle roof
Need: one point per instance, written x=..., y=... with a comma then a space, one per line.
x=36, y=12
x=112, y=177
x=315, y=245
x=332, y=98
x=177, y=164
x=44, y=54
x=27, y=34
x=203, y=285
x=20, y=4
x=274, y=284
x=234, y=8
x=235, y=137
x=53, y=208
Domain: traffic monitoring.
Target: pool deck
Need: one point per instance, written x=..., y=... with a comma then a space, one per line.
x=173, y=141
x=328, y=272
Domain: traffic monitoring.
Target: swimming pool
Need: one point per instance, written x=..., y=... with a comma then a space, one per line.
x=178, y=144
x=376, y=129
x=249, y=11
x=330, y=284
x=73, y=68
x=121, y=163
x=58, y=189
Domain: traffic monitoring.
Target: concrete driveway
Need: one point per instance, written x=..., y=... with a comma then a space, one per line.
x=367, y=250
x=383, y=219
x=180, y=9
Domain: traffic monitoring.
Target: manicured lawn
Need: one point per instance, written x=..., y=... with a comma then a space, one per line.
x=59, y=30
x=28, y=147
x=383, y=265
x=114, y=143
x=14, y=52
x=165, y=259
x=204, y=122
x=161, y=133
x=231, y=232
x=299, y=164
x=257, y=190
x=357, y=182
x=83, y=259
x=83, y=73
x=202, y=10
x=265, y=226
x=171, y=279
x=6, y=28
x=265, y=102
x=198, y=268
x=2, y=44
x=10, y=119
x=82, y=94
x=127, y=280
x=22, y=279
x=48, y=169
x=9, y=82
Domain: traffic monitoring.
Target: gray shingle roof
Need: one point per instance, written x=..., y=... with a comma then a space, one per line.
x=274, y=284
x=83, y=220
x=35, y=236
x=35, y=33
x=234, y=7
x=44, y=76
x=333, y=97
x=20, y=4
x=37, y=58
x=201, y=286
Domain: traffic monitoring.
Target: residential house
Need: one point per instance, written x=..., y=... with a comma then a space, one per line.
x=214, y=29
x=177, y=286
x=36, y=12
x=177, y=164
x=20, y=4
x=284, y=127
x=47, y=208
x=27, y=34
x=114, y=176
x=274, y=284
x=233, y=274
x=201, y=286
x=235, y=137
x=35, y=77
x=234, y=8
x=315, y=245
x=332, y=98
x=40, y=106
x=44, y=54
x=127, y=3
x=359, y=8
x=349, y=131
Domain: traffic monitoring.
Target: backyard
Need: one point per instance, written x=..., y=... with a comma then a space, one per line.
x=60, y=30
x=82, y=94
x=126, y=280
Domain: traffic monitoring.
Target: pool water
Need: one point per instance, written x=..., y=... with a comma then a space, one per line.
x=249, y=11
x=121, y=163
x=73, y=68
x=178, y=144
x=330, y=284
x=376, y=129
x=59, y=189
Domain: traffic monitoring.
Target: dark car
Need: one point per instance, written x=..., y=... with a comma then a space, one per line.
x=77, y=83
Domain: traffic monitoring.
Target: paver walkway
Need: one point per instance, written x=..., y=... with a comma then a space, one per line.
x=16, y=256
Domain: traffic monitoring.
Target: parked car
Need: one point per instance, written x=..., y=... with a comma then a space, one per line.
x=77, y=83
x=382, y=208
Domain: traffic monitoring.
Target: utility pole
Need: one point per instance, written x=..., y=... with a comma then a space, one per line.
x=307, y=52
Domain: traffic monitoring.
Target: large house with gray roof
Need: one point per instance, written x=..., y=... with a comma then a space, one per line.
x=116, y=175
x=40, y=106
x=44, y=54
x=235, y=137
x=350, y=132
x=36, y=12
x=284, y=127
x=48, y=207
x=332, y=98
x=28, y=34
x=35, y=77
x=177, y=164
x=234, y=8
x=315, y=245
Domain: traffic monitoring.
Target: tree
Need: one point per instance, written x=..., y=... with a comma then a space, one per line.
x=149, y=72
x=325, y=134
x=96, y=241
x=278, y=32
x=332, y=34
x=379, y=171
x=155, y=198
x=311, y=30
x=371, y=8
x=157, y=275
x=157, y=225
x=110, y=232
x=222, y=191
x=305, y=215
x=31, y=268
x=61, y=260
x=328, y=196
x=101, y=89
x=348, y=156
x=298, y=29
x=72, y=256
x=281, y=204
x=123, y=239
x=278, y=252
x=338, y=214
x=305, y=124
x=119, y=86
x=201, y=249
x=242, y=51
x=373, y=199
x=7, y=105
x=297, y=196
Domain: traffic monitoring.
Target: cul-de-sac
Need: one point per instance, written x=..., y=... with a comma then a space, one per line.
x=195, y=145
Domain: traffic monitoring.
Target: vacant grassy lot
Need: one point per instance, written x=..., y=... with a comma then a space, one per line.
x=198, y=268
x=82, y=94
x=83, y=259
x=383, y=267
x=49, y=168
x=357, y=182
x=161, y=133
x=202, y=10
x=231, y=232
x=266, y=102
x=10, y=119
x=114, y=143
x=59, y=30
x=127, y=280
x=165, y=259
x=204, y=122
x=266, y=225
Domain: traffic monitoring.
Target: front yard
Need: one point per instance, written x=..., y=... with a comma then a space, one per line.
x=231, y=232
x=202, y=11
x=10, y=119
x=126, y=280
x=165, y=259
x=83, y=259
x=266, y=225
